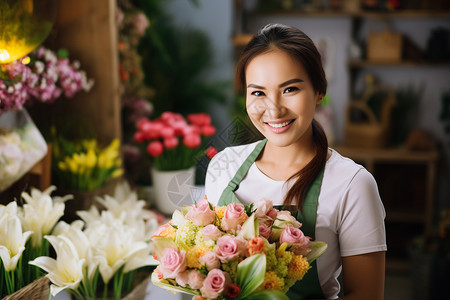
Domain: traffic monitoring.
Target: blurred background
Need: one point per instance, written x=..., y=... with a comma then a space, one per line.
x=387, y=107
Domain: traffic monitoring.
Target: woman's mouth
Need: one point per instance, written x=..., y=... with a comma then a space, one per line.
x=279, y=127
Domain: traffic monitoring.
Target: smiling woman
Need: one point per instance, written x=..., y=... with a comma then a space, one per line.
x=336, y=200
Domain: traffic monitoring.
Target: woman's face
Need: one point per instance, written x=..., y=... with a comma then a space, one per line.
x=280, y=98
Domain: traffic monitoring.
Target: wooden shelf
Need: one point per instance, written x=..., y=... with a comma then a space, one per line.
x=405, y=217
x=415, y=14
x=388, y=155
x=359, y=63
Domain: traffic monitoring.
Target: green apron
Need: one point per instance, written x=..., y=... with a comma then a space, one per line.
x=309, y=287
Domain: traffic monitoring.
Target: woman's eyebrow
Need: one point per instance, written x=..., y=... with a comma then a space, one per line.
x=294, y=80
x=252, y=85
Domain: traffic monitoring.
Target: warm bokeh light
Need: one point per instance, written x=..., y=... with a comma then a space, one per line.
x=24, y=25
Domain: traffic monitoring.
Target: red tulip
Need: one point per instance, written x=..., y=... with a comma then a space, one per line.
x=155, y=148
x=192, y=140
x=211, y=151
x=199, y=119
x=171, y=142
x=208, y=130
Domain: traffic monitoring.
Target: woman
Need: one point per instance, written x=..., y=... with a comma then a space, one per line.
x=281, y=73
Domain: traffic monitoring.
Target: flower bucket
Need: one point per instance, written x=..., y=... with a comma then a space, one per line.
x=21, y=146
x=38, y=289
x=172, y=189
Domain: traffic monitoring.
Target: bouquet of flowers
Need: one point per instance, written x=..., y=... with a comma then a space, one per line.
x=232, y=251
x=173, y=142
x=100, y=255
x=42, y=76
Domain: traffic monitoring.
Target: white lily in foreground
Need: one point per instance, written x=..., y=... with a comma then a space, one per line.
x=12, y=241
x=9, y=210
x=66, y=271
x=40, y=213
x=80, y=241
x=113, y=244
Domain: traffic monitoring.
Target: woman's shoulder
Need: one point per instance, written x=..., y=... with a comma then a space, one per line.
x=234, y=153
x=344, y=169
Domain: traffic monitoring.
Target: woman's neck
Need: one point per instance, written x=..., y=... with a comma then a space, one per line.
x=280, y=163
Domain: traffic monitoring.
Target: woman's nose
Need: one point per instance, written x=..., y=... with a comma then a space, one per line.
x=274, y=108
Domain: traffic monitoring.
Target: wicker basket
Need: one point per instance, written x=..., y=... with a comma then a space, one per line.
x=38, y=289
x=384, y=45
x=374, y=133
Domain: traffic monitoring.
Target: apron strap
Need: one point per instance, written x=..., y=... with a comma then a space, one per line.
x=228, y=195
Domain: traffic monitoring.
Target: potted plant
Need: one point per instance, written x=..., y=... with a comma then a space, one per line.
x=430, y=261
x=174, y=144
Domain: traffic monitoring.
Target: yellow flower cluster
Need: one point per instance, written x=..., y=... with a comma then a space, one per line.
x=272, y=281
x=193, y=255
x=88, y=167
x=298, y=267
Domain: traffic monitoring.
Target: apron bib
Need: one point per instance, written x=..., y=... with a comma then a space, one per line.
x=309, y=286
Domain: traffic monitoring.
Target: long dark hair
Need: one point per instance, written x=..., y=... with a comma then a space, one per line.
x=299, y=46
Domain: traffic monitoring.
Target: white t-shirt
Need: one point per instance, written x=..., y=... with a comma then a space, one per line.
x=350, y=214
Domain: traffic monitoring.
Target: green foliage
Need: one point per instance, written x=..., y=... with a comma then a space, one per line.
x=444, y=115
x=173, y=60
x=405, y=112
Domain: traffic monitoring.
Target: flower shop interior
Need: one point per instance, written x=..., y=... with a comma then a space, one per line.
x=87, y=86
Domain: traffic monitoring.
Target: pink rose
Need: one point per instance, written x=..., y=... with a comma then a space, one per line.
x=283, y=219
x=215, y=283
x=210, y=260
x=211, y=232
x=230, y=247
x=182, y=278
x=172, y=263
x=201, y=214
x=264, y=230
x=234, y=215
x=300, y=242
x=265, y=212
x=195, y=279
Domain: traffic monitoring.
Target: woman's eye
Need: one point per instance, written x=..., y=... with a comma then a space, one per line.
x=290, y=89
x=257, y=93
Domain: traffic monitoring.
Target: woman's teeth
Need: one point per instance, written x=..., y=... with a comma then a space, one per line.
x=279, y=125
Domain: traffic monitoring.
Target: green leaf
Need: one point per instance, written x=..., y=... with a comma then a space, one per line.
x=267, y=295
x=250, y=274
x=317, y=248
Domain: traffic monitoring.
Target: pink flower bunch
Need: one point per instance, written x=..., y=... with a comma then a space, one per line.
x=200, y=249
x=44, y=79
x=173, y=141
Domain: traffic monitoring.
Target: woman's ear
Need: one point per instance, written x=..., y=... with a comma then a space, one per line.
x=319, y=98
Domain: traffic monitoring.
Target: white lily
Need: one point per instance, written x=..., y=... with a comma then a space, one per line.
x=66, y=271
x=40, y=213
x=80, y=241
x=12, y=241
x=124, y=200
x=8, y=210
x=140, y=259
x=113, y=245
